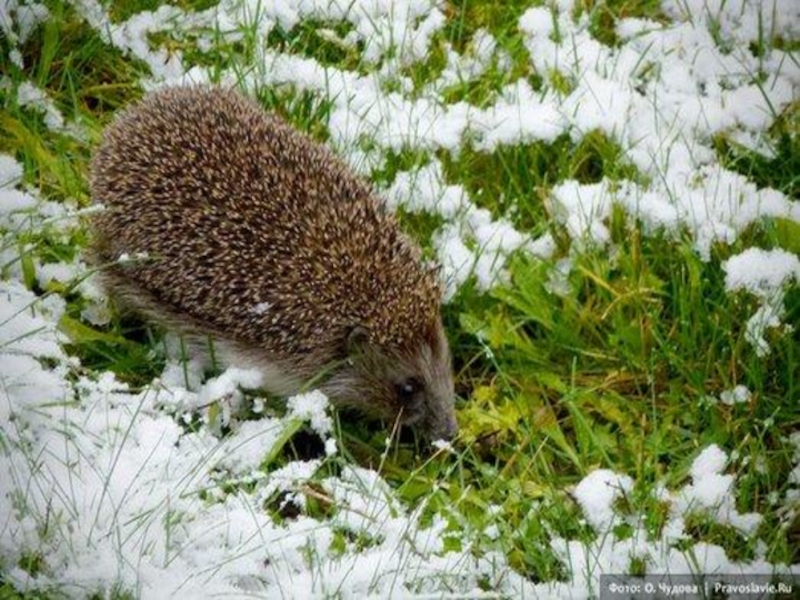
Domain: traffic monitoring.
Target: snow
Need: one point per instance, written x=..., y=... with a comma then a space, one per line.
x=243, y=451
x=739, y=19
x=461, y=68
x=664, y=118
x=596, y=494
x=443, y=446
x=10, y=172
x=519, y=115
x=738, y=394
x=475, y=243
x=28, y=95
x=457, y=259
x=582, y=208
x=598, y=104
x=261, y=308
x=761, y=272
x=312, y=407
x=710, y=461
x=765, y=274
x=19, y=19
x=229, y=383
x=126, y=258
x=141, y=487
x=711, y=492
x=425, y=190
x=12, y=201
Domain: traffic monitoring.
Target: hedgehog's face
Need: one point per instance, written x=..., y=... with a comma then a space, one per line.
x=412, y=386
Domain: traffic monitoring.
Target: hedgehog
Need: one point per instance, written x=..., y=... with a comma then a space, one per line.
x=251, y=233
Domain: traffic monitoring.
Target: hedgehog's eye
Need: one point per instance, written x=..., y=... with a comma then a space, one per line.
x=407, y=389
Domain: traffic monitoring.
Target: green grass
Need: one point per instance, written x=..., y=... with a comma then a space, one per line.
x=614, y=374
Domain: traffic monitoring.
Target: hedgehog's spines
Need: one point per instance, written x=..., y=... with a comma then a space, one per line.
x=263, y=236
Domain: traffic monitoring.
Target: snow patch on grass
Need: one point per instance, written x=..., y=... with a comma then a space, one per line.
x=661, y=95
x=107, y=484
x=711, y=492
x=596, y=494
x=614, y=549
x=765, y=274
x=737, y=395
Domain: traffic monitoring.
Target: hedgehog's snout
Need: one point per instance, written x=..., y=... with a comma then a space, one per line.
x=430, y=410
x=439, y=406
x=442, y=424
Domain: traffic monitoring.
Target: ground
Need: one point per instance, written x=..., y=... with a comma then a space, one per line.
x=611, y=189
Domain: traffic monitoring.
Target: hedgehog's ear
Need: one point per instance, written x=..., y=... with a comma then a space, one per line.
x=357, y=340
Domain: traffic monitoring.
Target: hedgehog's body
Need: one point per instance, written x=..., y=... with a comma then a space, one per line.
x=258, y=236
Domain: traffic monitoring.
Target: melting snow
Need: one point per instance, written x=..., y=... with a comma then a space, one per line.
x=765, y=274
x=739, y=394
x=596, y=494
x=107, y=485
